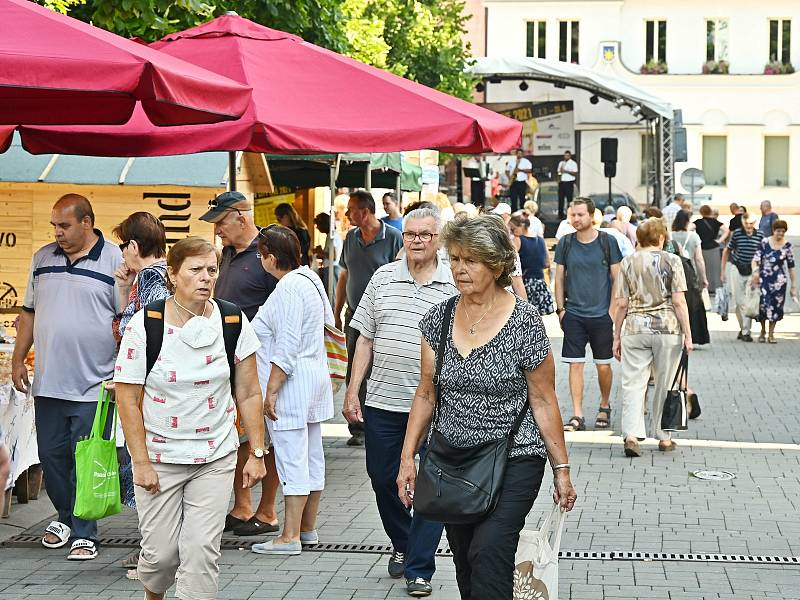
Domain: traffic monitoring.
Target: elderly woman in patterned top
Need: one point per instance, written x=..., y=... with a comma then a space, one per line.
x=496, y=363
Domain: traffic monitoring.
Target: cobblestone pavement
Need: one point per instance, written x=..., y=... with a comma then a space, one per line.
x=652, y=505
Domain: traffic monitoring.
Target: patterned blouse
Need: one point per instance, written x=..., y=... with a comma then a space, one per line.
x=150, y=285
x=482, y=394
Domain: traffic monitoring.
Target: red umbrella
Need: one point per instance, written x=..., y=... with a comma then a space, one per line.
x=55, y=70
x=305, y=99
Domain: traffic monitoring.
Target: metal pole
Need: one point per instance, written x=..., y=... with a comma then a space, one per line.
x=610, y=203
x=459, y=182
x=368, y=177
x=332, y=227
x=398, y=193
x=232, y=171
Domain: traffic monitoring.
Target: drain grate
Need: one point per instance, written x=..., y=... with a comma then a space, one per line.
x=34, y=541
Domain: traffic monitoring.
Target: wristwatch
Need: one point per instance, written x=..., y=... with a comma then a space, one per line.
x=560, y=310
x=258, y=452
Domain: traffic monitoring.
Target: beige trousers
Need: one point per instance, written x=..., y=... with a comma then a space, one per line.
x=738, y=287
x=182, y=525
x=641, y=353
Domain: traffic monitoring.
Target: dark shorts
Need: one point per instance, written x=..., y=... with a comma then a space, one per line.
x=598, y=332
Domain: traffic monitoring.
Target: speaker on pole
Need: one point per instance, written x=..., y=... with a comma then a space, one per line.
x=608, y=150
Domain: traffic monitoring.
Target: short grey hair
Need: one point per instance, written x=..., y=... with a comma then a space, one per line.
x=486, y=238
x=425, y=213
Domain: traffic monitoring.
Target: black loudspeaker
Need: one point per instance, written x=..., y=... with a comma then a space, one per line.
x=608, y=150
x=610, y=169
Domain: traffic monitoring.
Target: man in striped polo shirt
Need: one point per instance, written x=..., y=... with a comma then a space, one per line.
x=743, y=245
x=68, y=308
x=397, y=297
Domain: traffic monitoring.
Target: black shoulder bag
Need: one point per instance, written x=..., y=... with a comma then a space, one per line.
x=460, y=485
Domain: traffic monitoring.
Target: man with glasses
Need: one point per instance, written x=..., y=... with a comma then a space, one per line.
x=367, y=247
x=397, y=297
x=243, y=281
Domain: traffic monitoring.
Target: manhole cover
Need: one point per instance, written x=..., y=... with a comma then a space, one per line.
x=713, y=475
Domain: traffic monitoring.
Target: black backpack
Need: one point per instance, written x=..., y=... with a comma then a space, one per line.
x=230, y=314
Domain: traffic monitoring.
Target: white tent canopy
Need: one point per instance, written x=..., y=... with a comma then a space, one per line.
x=605, y=85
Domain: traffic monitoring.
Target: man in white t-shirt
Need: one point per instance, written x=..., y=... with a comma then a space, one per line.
x=672, y=209
x=567, y=173
x=518, y=170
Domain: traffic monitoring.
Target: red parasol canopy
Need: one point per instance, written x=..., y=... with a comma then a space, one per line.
x=55, y=70
x=305, y=99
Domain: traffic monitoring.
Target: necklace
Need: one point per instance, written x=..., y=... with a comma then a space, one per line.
x=179, y=305
x=475, y=324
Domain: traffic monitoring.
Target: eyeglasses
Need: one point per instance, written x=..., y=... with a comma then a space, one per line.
x=262, y=231
x=124, y=245
x=425, y=236
x=212, y=204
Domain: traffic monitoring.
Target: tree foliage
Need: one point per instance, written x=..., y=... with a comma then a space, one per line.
x=419, y=39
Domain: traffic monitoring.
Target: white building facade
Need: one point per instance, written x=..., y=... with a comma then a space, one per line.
x=743, y=126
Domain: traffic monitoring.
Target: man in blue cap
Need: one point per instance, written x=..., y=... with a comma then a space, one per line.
x=243, y=281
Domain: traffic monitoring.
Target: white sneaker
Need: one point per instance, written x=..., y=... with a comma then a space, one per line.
x=270, y=547
x=309, y=538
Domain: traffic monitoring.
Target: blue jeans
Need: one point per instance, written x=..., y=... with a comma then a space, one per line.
x=412, y=535
x=60, y=424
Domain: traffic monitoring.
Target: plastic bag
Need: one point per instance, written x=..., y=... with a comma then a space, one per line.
x=722, y=299
x=752, y=301
x=97, y=492
x=536, y=571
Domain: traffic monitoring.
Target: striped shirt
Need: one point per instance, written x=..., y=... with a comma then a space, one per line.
x=743, y=247
x=389, y=314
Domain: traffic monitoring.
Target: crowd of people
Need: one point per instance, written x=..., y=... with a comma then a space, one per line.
x=220, y=371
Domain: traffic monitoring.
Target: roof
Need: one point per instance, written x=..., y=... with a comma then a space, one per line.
x=573, y=75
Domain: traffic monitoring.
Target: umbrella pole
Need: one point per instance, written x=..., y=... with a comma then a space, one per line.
x=232, y=171
x=368, y=177
x=397, y=192
x=332, y=228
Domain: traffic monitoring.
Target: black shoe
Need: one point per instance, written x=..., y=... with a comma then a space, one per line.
x=747, y=337
x=740, y=336
x=418, y=587
x=357, y=439
x=397, y=565
x=255, y=527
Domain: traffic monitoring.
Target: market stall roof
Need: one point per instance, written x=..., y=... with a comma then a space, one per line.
x=314, y=170
x=539, y=69
x=306, y=99
x=202, y=170
x=56, y=70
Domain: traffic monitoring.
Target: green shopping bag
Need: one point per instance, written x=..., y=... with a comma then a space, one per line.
x=97, y=492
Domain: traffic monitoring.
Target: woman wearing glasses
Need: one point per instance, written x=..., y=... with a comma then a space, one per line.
x=293, y=371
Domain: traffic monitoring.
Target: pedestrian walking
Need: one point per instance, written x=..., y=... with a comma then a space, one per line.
x=296, y=383
x=587, y=265
x=367, y=247
x=623, y=224
x=672, y=209
x=497, y=374
x=333, y=246
x=178, y=414
x=392, y=208
x=387, y=319
x=69, y=303
x=768, y=218
x=534, y=261
x=288, y=217
x=651, y=329
x=771, y=262
x=567, y=175
x=530, y=210
x=243, y=282
x=745, y=242
x=710, y=229
x=689, y=246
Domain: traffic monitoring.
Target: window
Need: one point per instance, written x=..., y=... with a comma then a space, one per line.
x=717, y=40
x=568, y=41
x=655, y=47
x=776, y=161
x=715, y=159
x=647, y=159
x=780, y=40
x=536, y=39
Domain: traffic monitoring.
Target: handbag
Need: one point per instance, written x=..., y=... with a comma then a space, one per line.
x=536, y=561
x=335, y=344
x=97, y=492
x=459, y=485
x=675, y=416
x=752, y=301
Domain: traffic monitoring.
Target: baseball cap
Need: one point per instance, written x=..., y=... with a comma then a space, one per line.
x=223, y=203
x=501, y=209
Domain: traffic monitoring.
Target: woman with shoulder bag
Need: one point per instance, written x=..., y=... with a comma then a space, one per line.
x=494, y=391
x=652, y=306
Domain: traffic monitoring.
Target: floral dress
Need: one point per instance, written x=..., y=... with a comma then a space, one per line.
x=773, y=267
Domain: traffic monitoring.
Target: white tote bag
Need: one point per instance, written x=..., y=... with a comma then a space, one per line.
x=536, y=571
x=752, y=301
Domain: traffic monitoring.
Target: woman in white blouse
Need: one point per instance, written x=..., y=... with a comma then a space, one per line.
x=292, y=362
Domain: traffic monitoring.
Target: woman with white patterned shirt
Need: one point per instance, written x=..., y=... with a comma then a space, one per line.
x=178, y=421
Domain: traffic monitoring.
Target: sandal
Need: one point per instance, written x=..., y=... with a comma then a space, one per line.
x=575, y=424
x=232, y=522
x=772, y=340
x=632, y=449
x=61, y=531
x=603, y=422
x=762, y=338
x=82, y=545
x=668, y=447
